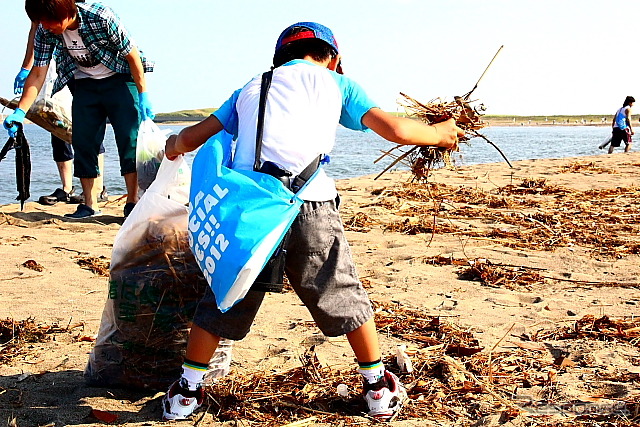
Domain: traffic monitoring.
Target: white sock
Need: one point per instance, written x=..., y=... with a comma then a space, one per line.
x=372, y=372
x=193, y=374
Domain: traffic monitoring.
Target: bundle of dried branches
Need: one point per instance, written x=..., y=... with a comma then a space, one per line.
x=437, y=110
x=422, y=159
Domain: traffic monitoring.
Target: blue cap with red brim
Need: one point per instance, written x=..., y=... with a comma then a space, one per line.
x=309, y=30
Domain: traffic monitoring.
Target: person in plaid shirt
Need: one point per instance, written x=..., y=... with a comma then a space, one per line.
x=61, y=150
x=108, y=71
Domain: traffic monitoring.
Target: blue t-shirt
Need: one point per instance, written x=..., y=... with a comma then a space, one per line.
x=621, y=118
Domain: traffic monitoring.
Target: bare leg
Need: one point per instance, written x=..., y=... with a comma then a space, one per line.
x=364, y=342
x=100, y=179
x=610, y=149
x=65, y=170
x=627, y=148
x=88, y=189
x=201, y=345
x=131, y=181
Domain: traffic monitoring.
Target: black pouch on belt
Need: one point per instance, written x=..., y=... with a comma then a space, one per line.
x=271, y=277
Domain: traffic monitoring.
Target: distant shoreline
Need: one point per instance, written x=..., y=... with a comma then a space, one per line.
x=497, y=123
x=490, y=123
x=185, y=118
x=586, y=120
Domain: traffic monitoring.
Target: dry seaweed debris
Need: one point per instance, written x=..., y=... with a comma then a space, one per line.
x=514, y=277
x=420, y=225
x=272, y=399
x=491, y=274
x=496, y=275
x=601, y=328
x=360, y=222
x=413, y=326
x=15, y=335
x=453, y=380
x=575, y=167
x=310, y=389
x=98, y=265
x=539, y=216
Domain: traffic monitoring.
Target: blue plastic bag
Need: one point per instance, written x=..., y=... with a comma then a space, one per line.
x=237, y=218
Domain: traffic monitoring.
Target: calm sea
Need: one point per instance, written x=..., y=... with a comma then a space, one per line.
x=353, y=155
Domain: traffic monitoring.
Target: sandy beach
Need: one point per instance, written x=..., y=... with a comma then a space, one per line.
x=515, y=268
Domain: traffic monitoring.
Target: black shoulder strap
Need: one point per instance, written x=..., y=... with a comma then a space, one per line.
x=264, y=88
x=304, y=176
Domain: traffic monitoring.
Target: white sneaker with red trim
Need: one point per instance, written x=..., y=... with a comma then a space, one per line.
x=180, y=402
x=384, y=397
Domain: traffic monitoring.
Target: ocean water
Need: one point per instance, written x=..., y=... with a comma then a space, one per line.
x=353, y=155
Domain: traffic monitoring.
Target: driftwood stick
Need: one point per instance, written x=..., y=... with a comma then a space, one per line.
x=479, y=135
x=395, y=162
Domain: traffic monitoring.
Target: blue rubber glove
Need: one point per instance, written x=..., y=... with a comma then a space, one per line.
x=18, y=83
x=146, y=111
x=16, y=117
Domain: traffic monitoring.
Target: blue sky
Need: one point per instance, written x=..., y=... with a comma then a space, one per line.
x=559, y=57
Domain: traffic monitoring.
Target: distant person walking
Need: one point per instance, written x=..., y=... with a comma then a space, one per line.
x=621, y=124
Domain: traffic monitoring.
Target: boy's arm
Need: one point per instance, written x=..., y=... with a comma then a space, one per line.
x=628, y=114
x=412, y=132
x=192, y=137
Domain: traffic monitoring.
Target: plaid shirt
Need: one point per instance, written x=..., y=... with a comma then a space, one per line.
x=104, y=36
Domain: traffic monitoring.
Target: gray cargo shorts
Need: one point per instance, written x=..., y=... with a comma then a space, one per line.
x=320, y=269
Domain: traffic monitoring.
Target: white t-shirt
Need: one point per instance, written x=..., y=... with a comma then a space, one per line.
x=305, y=104
x=88, y=65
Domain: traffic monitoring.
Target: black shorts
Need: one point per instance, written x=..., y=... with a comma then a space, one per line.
x=619, y=135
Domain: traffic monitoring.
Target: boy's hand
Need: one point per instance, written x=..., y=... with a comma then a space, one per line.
x=170, y=151
x=449, y=133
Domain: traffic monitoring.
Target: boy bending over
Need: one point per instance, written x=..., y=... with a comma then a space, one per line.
x=307, y=100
